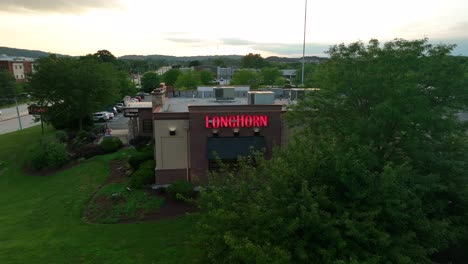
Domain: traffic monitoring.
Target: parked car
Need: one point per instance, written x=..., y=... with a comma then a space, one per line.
x=119, y=107
x=101, y=117
x=109, y=114
x=112, y=109
x=141, y=94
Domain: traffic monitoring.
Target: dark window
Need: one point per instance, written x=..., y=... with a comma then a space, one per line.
x=229, y=148
x=147, y=126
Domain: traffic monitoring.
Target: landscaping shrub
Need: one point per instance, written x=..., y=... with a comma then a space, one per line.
x=111, y=144
x=140, y=142
x=82, y=134
x=61, y=136
x=138, y=158
x=144, y=175
x=180, y=190
x=49, y=153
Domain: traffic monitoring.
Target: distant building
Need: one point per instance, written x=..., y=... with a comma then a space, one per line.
x=19, y=67
x=224, y=75
x=289, y=75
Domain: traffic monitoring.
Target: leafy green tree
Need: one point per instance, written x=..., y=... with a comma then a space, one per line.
x=126, y=86
x=150, y=81
x=206, y=77
x=171, y=76
x=194, y=63
x=188, y=80
x=310, y=75
x=219, y=62
x=74, y=88
x=246, y=77
x=105, y=56
x=254, y=61
x=270, y=75
x=7, y=86
x=377, y=171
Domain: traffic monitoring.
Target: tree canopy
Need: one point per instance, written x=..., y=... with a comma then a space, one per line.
x=150, y=81
x=254, y=61
x=7, y=86
x=75, y=88
x=170, y=77
x=270, y=75
x=246, y=77
x=188, y=80
x=377, y=171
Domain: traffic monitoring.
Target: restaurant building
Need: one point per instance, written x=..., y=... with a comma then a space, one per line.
x=192, y=133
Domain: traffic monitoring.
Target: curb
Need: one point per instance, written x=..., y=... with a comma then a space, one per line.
x=14, y=117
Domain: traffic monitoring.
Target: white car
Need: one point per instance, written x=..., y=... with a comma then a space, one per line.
x=109, y=114
x=101, y=117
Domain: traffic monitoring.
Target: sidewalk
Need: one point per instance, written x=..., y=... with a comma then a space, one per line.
x=4, y=117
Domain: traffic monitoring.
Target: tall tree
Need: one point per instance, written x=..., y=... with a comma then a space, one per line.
x=254, y=61
x=206, y=77
x=270, y=75
x=246, y=77
x=188, y=80
x=150, y=81
x=74, y=88
x=170, y=77
x=105, y=56
x=377, y=172
x=7, y=86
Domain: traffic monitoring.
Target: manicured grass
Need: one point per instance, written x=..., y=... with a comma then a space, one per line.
x=41, y=216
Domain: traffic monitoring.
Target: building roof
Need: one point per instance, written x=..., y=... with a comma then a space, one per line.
x=4, y=57
x=138, y=105
x=181, y=105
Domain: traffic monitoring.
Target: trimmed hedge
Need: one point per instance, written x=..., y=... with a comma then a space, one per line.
x=180, y=190
x=111, y=144
x=144, y=175
x=138, y=158
x=49, y=153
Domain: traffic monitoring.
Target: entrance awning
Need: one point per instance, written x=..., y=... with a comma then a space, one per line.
x=232, y=147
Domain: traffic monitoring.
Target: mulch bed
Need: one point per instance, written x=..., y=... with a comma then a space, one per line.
x=170, y=208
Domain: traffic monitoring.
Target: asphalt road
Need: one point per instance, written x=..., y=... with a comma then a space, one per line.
x=9, y=119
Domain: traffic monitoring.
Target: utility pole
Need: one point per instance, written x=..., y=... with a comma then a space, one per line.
x=303, y=43
x=18, y=113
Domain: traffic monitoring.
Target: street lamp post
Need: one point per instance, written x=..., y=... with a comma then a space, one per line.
x=303, y=43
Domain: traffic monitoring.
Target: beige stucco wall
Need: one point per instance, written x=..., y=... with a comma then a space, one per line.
x=171, y=151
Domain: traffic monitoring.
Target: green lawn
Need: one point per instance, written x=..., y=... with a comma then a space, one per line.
x=40, y=217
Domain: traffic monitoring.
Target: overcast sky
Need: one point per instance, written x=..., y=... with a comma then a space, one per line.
x=220, y=27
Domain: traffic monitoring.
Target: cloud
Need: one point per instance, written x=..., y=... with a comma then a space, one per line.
x=59, y=6
x=282, y=49
x=185, y=40
x=237, y=41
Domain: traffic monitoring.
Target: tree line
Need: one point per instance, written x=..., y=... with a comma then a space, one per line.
x=377, y=170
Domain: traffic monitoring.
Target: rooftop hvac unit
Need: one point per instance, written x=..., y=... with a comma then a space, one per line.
x=256, y=98
x=224, y=93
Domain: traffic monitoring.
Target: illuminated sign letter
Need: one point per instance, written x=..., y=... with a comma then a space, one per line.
x=232, y=123
x=248, y=121
x=215, y=122
x=263, y=121
x=207, y=122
